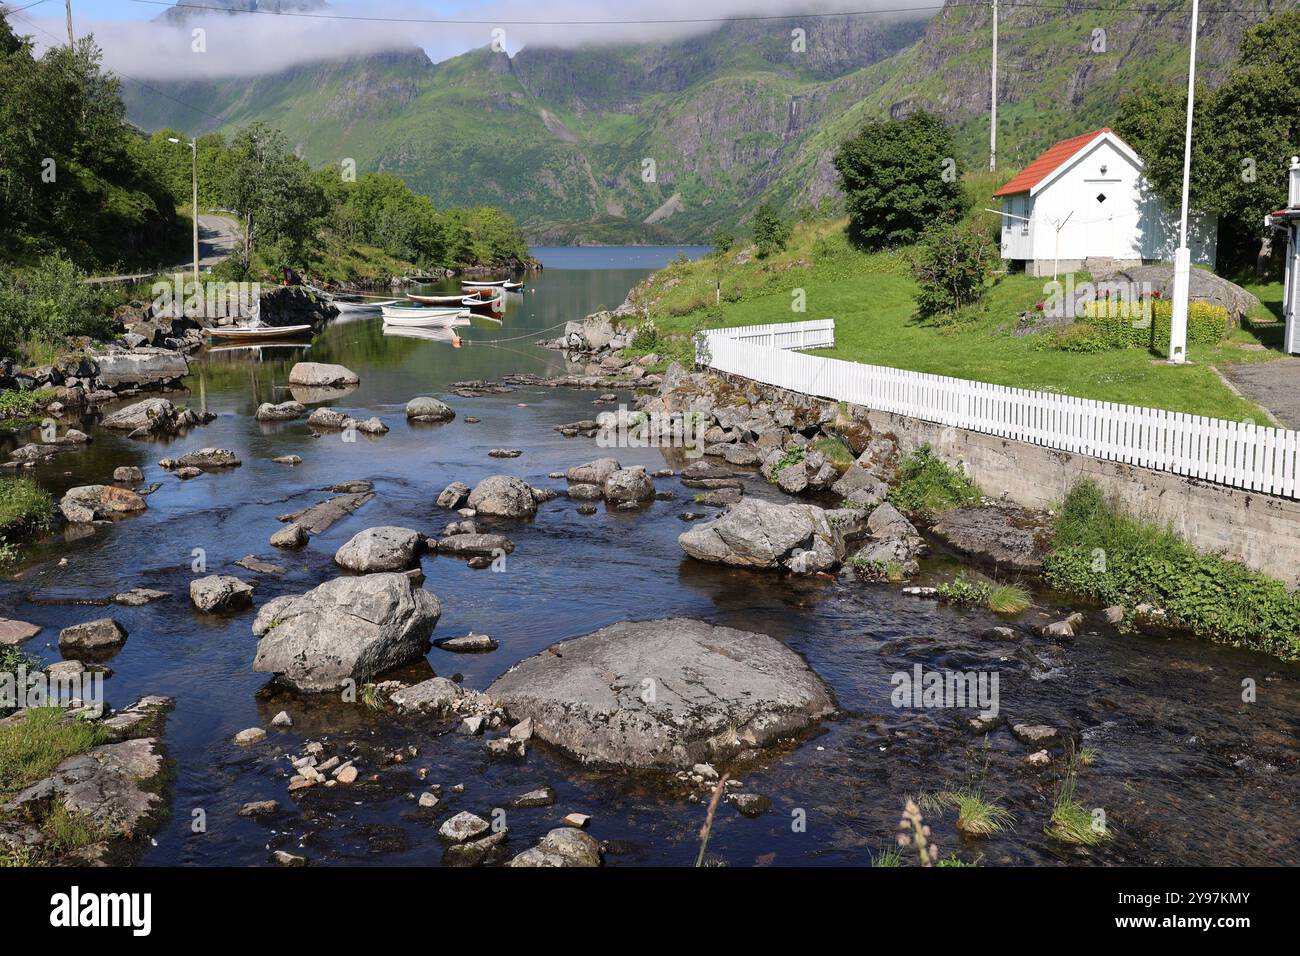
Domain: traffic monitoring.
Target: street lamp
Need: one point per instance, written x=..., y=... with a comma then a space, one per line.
x=1183, y=255
x=194, y=184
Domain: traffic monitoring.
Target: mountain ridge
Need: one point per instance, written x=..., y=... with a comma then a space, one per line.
x=596, y=143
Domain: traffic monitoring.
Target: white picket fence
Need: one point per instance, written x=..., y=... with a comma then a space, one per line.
x=1239, y=454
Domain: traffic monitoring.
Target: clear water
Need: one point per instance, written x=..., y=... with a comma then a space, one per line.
x=1188, y=773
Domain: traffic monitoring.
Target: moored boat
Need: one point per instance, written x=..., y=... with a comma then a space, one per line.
x=235, y=332
x=454, y=299
x=408, y=317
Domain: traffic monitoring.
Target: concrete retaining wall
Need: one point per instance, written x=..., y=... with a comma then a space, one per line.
x=1259, y=530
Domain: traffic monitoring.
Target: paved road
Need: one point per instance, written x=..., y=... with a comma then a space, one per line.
x=219, y=237
x=1275, y=385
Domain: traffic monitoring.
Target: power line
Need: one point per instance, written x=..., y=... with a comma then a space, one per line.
x=142, y=83
x=5, y=11
x=735, y=18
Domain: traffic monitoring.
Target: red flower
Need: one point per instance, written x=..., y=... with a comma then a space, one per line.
x=1038, y=306
x=1156, y=294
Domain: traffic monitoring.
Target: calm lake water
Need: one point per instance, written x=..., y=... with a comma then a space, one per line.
x=1187, y=772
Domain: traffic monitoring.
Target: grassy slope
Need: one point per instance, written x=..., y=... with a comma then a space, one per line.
x=871, y=298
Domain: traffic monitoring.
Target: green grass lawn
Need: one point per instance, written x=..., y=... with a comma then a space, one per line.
x=871, y=298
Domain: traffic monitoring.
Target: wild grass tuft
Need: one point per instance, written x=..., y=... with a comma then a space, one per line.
x=32, y=747
x=1008, y=599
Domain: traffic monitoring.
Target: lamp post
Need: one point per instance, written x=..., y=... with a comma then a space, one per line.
x=194, y=187
x=1183, y=255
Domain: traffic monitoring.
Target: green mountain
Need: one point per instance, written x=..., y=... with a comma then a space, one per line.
x=563, y=139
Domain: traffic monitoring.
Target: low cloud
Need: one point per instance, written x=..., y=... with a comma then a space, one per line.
x=252, y=44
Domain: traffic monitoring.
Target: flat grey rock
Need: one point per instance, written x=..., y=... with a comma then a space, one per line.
x=664, y=694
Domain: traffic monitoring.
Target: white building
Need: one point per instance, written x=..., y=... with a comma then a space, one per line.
x=1087, y=198
x=1288, y=220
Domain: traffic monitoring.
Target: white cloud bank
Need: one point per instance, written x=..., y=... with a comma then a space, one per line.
x=253, y=44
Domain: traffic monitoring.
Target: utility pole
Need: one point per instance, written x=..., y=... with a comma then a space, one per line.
x=993, y=118
x=71, y=42
x=1183, y=255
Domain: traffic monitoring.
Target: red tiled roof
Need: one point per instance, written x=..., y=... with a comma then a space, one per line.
x=1048, y=163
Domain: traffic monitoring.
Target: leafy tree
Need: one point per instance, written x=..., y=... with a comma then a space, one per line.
x=72, y=174
x=899, y=177
x=952, y=266
x=1243, y=134
x=771, y=232
x=274, y=193
x=722, y=241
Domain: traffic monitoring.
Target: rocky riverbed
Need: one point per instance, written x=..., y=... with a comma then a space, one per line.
x=389, y=645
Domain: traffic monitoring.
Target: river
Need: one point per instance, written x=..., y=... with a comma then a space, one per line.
x=1187, y=772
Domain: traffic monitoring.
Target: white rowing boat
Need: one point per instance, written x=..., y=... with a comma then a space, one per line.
x=420, y=311
x=466, y=284
x=255, y=331
x=426, y=317
x=346, y=306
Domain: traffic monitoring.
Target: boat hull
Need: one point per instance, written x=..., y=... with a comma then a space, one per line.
x=236, y=333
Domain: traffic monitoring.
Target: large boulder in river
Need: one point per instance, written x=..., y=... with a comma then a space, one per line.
x=217, y=593
x=91, y=502
x=504, y=496
x=593, y=472
x=141, y=368
x=1003, y=535
x=664, y=694
x=894, y=544
x=629, y=485
x=204, y=459
x=153, y=416
x=760, y=534
x=282, y=412
x=426, y=409
x=351, y=628
x=386, y=548
x=320, y=375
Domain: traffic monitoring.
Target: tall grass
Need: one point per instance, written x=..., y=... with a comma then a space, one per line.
x=1100, y=552
x=32, y=747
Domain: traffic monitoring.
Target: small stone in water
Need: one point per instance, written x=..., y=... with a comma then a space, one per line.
x=251, y=735
x=576, y=820
x=282, y=719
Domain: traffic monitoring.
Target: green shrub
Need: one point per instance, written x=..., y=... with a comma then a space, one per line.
x=1104, y=327
x=962, y=590
x=48, y=302
x=11, y=659
x=928, y=486
x=952, y=267
x=1101, y=553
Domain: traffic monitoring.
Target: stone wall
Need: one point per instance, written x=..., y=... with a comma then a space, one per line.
x=1260, y=530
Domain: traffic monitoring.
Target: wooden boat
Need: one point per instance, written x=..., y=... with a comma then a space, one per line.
x=237, y=332
x=467, y=284
x=480, y=304
x=513, y=286
x=454, y=299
